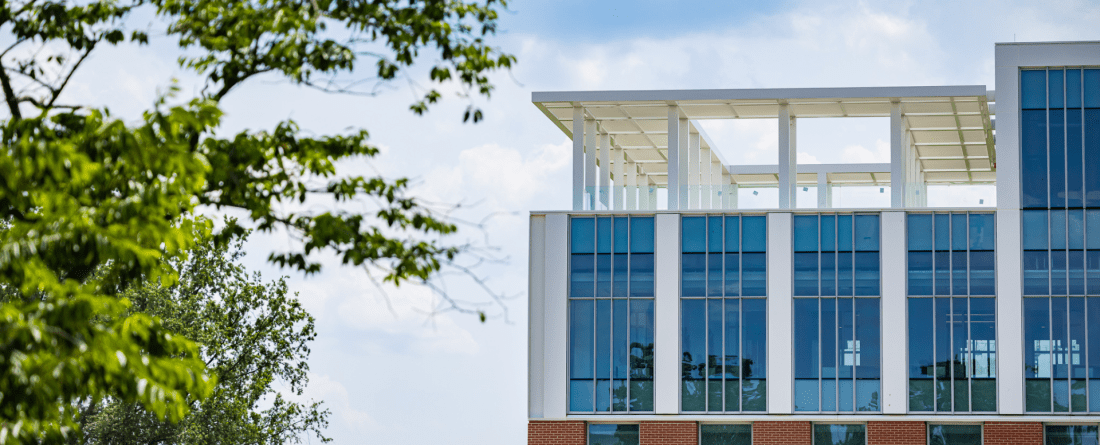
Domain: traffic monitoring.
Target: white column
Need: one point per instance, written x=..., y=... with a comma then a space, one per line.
x=673, y=157
x=536, y=285
x=897, y=157
x=716, y=185
x=578, y=158
x=895, y=387
x=780, y=341
x=555, y=317
x=618, y=164
x=1010, y=342
x=643, y=191
x=590, y=138
x=666, y=310
x=652, y=194
x=605, y=170
x=787, y=158
x=822, y=190
x=631, y=185
x=734, y=190
x=693, y=171
x=685, y=162
x=704, y=177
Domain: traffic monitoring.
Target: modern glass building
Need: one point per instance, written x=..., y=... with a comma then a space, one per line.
x=662, y=311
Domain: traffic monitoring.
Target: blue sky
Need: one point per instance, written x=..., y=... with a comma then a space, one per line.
x=406, y=376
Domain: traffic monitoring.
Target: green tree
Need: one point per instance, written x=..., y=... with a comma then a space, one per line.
x=90, y=205
x=251, y=335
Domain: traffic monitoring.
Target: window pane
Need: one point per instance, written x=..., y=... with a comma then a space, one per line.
x=1057, y=153
x=844, y=233
x=694, y=274
x=693, y=343
x=1073, y=88
x=943, y=272
x=920, y=232
x=620, y=274
x=754, y=363
x=583, y=235
x=867, y=273
x=1092, y=88
x=1092, y=157
x=582, y=275
x=608, y=434
x=942, y=310
x=1033, y=170
x=828, y=273
x=714, y=234
x=839, y=434
x=733, y=343
x=921, y=355
x=805, y=233
x=1075, y=228
x=1033, y=89
x=621, y=341
x=603, y=235
x=867, y=237
x=641, y=355
x=958, y=273
x=641, y=235
x=955, y=434
x=959, y=229
x=920, y=273
x=805, y=274
x=603, y=275
x=715, y=312
x=844, y=282
x=1071, y=435
x=733, y=275
x=981, y=273
x=867, y=352
x=694, y=234
x=1092, y=308
x=1076, y=272
x=1058, y=272
x=828, y=232
x=1037, y=354
x=1092, y=233
x=725, y=434
x=753, y=274
x=714, y=275
x=1036, y=272
x=754, y=234
x=1076, y=355
x=581, y=367
x=1056, y=89
x=960, y=355
x=733, y=234
x=1074, y=159
x=603, y=355
x=982, y=234
x=641, y=275
x=806, y=349
x=622, y=235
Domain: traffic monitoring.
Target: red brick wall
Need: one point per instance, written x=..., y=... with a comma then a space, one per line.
x=896, y=433
x=1013, y=433
x=669, y=433
x=570, y=432
x=782, y=433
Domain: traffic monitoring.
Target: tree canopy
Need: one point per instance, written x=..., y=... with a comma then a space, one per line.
x=91, y=205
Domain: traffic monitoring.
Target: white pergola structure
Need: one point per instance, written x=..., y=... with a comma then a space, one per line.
x=626, y=144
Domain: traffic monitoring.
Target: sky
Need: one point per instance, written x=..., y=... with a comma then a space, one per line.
x=394, y=372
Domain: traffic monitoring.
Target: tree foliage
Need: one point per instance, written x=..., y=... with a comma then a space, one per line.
x=253, y=336
x=90, y=204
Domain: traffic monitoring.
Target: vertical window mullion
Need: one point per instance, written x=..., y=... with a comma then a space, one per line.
x=725, y=359
x=820, y=362
x=969, y=353
x=629, y=257
x=1050, y=348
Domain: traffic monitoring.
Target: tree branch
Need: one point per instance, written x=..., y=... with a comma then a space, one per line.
x=9, y=94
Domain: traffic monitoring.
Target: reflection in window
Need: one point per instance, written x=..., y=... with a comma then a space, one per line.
x=952, y=354
x=1061, y=252
x=611, y=434
x=1061, y=336
x=1071, y=435
x=724, y=360
x=738, y=434
x=840, y=434
x=836, y=354
x=611, y=314
x=955, y=434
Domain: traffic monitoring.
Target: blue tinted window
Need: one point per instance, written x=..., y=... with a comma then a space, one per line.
x=807, y=356
x=1092, y=88
x=920, y=232
x=1075, y=228
x=1057, y=149
x=828, y=233
x=1073, y=89
x=609, y=434
x=958, y=231
x=952, y=354
x=753, y=274
x=714, y=234
x=1033, y=167
x=867, y=237
x=733, y=233
x=846, y=434
x=1057, y=229
x=867, y=273
x=943, y=231
x=582, y=275
x=805, y=274
x=1056, y=89
x=641, y=235
x=921, y=355
x=754, y=363
x=1033, y=89
x=740, y=434
x=982, y=234
x=955, y=434
x=603, y=235
x=641, y=355
x=622, y=235
x=1072, y=435
x=1037, y=354
x=1092, y=157
x=920, y=273
x=581, y=367
x=754, y=234
x=844, y=233
x=694, y=234
x=805, y=233
x=839, y=373
x=1035, y=227
x=982, y=280
x=583, y=235
x=1074, y=160
x=641, y=275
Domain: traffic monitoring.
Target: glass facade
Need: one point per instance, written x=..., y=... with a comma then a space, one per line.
x=952, y=354
x=612, y=434
x=1062, y=354
x=951, y=253
x=611, y=314
x=840, y=434
x=954, y=434
x=736, y=434
x=836, y=255
x=1072, y=435
x=837, y=340
x=723, y=314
